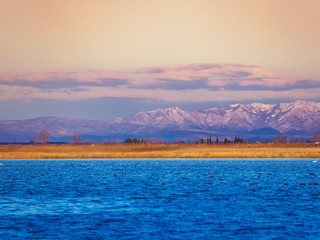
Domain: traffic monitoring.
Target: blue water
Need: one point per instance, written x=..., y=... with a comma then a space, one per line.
x=160, y=199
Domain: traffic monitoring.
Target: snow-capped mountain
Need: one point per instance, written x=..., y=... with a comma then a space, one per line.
x=167, y=118
x=299, y=118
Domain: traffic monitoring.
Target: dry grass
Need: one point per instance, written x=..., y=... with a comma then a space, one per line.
x=254, y=150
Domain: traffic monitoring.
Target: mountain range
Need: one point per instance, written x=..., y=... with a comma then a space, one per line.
x=256, y=121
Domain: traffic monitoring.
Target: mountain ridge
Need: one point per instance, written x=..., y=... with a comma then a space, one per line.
x=246, y=116
x=298, y=118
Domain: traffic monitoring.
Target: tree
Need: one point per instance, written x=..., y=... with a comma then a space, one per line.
x=43, y=136
x=238, y=140
x=128, y=140
x=76, y=138
x=135, y=140
x=118, y=141
x=316, y=136
x=282, y=139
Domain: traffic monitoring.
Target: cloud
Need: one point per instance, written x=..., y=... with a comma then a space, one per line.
x=192, y=82
x=212, y=77
x=172, y=84
x=73, y=81
x=217, y=77
x=303, y=84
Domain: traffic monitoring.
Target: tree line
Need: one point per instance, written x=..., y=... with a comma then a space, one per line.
x=209, y=140
x=43, y=138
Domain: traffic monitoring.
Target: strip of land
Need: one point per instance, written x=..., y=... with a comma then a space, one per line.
x=248, y=150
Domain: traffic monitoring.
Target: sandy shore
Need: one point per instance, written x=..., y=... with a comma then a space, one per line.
x=252, y=150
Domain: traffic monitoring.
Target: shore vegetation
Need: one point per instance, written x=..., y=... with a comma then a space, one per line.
x=160, y=150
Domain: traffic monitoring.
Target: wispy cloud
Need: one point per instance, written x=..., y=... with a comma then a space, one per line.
x=66, y=83
x=177, y=83
x=65, y=80
x=217, y=77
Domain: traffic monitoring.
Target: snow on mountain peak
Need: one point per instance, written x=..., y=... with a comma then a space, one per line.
x=174, y=109
x=306, y=104
x=300, y=105
x=234, y=105
x=261, y=106
x=170, y=109
x=298, y=115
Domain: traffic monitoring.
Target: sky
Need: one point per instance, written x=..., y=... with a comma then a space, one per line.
x=99, y=59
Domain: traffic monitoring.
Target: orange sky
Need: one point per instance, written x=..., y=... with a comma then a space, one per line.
x=57, y=56
x=42, y=35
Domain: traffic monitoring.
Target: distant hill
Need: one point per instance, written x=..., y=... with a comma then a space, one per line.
x=299, y=119
x=264, y=131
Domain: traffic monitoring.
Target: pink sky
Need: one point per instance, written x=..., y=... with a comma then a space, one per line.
x=170, y=50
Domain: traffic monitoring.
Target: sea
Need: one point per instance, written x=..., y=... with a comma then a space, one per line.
x=160, y=199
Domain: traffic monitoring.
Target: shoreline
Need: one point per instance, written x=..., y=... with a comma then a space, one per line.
x=160, y=151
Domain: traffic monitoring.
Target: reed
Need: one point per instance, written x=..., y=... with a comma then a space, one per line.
x=252, y=150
